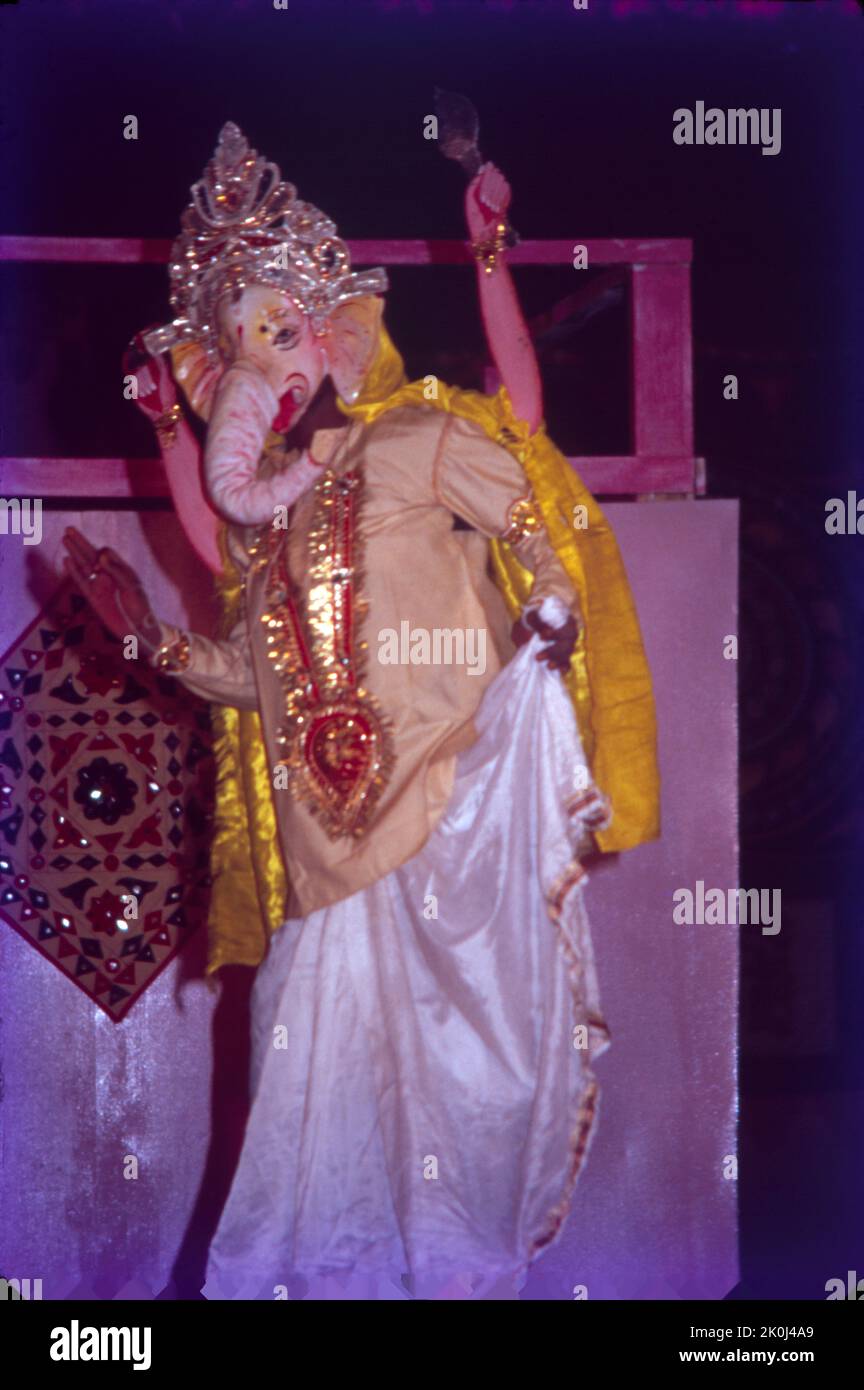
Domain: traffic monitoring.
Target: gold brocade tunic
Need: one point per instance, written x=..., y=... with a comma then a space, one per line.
x=368, y=633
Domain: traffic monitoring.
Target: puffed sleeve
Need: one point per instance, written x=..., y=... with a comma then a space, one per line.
x=482, y=483
x=221, y=670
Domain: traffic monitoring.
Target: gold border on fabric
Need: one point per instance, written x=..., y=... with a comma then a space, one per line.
x=335, y=742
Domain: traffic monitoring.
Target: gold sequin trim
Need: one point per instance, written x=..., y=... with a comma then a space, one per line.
x=523, y=520
x=173, y=655
x=593, y=810
x=334, y=742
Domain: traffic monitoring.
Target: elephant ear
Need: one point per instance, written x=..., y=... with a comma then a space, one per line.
x=351, y=343
x=197, y=374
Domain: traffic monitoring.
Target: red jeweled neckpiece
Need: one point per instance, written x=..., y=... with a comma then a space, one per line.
x=334, y=742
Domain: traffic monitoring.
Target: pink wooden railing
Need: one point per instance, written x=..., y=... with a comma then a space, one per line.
x=661, y=361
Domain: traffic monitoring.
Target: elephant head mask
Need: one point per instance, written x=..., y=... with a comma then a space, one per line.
x=266, y=305
x=266, y=328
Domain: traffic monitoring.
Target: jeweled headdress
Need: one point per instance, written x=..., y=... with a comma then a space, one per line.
x=246, y=226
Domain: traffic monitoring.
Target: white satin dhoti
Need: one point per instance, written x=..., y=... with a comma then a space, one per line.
x=423, y=1050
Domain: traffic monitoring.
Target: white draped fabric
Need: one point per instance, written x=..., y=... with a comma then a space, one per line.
x=423, y=1050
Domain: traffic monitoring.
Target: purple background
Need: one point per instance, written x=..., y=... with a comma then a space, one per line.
x=577, y=109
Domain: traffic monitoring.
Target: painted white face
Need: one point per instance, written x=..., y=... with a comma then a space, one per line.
x=265, y=327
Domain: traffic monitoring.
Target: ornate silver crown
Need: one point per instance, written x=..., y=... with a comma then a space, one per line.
x=246, y=226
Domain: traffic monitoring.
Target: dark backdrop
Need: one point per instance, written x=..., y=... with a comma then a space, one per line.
x=577, y=109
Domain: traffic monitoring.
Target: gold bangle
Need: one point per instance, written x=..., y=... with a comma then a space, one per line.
x=166, y=425
x=173, y=655
x=488, y=249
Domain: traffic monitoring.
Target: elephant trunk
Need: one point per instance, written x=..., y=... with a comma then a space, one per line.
x=243, y=407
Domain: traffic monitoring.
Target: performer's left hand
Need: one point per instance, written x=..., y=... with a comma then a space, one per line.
x=487, y=199
x=156, y=389
x=561, y=640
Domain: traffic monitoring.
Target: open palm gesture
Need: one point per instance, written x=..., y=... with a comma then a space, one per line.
x=112, y=588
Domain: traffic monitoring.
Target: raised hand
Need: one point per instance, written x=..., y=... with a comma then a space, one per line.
x=112, y=588
x=487, y=199
x=157, y=392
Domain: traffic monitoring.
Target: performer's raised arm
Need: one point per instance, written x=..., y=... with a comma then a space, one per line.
x=216, y=670
x=486, y=201
x=181, y=453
